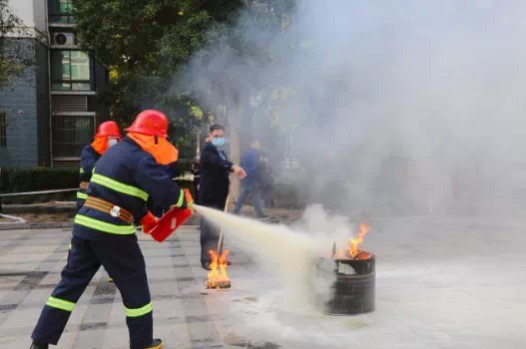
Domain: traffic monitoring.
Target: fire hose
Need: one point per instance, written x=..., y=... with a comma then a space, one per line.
x=56, y=191
x=52, y=191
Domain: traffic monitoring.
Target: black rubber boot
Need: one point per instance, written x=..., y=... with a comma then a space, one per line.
x=157, y=344
x=39, y=346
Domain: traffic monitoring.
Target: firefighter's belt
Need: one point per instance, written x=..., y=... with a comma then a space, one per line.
x=84, y=185
x=109, y=208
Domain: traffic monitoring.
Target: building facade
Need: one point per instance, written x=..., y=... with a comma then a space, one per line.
x=51, y=112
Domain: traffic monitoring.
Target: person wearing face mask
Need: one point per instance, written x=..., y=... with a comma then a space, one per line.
x=104, y=231
x=214, y=183
x=107, y=135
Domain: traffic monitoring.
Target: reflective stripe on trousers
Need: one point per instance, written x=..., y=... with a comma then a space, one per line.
x=148, y=308
x=60, y=304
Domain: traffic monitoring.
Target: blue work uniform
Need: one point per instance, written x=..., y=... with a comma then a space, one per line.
x=126, y=176
x=88, y=158
x=250, y=163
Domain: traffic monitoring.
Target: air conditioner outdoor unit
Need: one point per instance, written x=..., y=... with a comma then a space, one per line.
x=64, y=39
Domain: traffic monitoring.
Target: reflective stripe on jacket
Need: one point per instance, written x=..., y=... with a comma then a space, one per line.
x=126, y=176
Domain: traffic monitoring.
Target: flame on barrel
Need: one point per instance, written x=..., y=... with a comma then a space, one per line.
x=354, y=251
x=355, y=242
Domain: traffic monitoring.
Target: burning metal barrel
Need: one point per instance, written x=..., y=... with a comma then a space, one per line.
x=353, y=291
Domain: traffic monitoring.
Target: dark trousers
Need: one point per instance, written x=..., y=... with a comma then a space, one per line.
x=209, y=232
x=126, y=265
x=196, y=191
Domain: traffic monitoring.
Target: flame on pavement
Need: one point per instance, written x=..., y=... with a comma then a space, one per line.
x=218, y=276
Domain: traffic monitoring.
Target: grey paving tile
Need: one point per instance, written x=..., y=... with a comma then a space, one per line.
x=431, y=293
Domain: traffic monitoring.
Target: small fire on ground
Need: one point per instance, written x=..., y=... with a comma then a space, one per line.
x=217, y=276
x=353, y=251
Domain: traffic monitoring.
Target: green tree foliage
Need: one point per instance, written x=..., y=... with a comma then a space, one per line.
x=15, y=55
x=231, y=69
x=145, y=42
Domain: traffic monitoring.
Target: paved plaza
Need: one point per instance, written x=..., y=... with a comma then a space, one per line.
x=441, y=283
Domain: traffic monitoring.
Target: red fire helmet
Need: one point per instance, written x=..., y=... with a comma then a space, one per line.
x=150, y=122
x=109, y=129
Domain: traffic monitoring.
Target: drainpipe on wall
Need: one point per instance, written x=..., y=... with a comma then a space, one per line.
x=50, y=109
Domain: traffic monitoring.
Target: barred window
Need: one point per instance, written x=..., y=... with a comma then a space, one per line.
x=71, y=133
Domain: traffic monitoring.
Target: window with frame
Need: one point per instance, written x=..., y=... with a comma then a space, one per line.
x=3, y=130
x=70, y=70
x=71, y=133
x=61, y=11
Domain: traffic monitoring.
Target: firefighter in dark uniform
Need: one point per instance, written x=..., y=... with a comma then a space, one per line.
x=125, y=177
x=107, y=135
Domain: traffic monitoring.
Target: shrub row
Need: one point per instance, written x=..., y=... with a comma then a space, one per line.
x=41, y=178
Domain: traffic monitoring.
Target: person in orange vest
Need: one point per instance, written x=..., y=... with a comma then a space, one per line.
x=108, y=134
x=104, y=231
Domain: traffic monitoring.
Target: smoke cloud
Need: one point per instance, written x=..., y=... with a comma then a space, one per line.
x=389, y=107
x=400, y=107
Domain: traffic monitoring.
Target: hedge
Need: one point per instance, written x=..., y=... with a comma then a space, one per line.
x=41, y=178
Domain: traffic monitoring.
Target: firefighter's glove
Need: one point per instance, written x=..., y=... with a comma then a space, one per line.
x=186, y=200
x=148, y=222
x=189, y=199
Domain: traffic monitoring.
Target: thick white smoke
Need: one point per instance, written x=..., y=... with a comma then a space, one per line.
x=407, y=106
x=290, y=254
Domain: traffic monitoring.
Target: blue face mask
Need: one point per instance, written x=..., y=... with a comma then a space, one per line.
x=218, y=142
